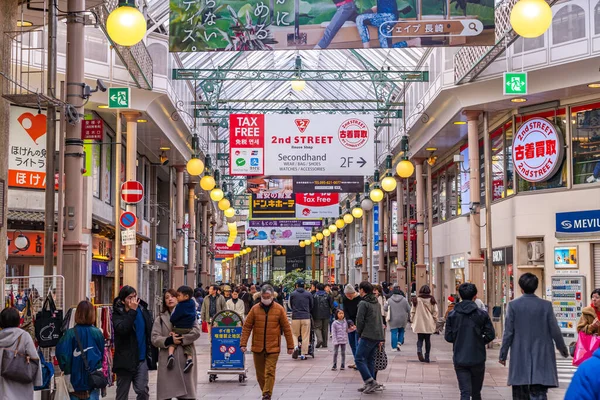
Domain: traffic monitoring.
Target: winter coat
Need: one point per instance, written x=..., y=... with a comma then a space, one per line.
x=173, y=382
x=588, y=315
x=530, y=329
x=369, y=321
x=322, y=305
x=336, y=296
x=469, y=328
x=238, y=307
x=423, y=316
x=585, y=384
x=126, y=358
x=205, y=311
x=266, y=324
x=351, y=307
x=69, y=356
x=11, y=390
x=184, y=315
x=382, y=302
x=301, y=303
x=398, y=310
x=339, y=332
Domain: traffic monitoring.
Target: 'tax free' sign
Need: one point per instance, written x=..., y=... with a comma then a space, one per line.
x=246, y=132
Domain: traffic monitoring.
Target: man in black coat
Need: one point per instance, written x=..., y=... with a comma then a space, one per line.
x=470, y=329
x=301, y=303
x=321, y=312
x=133, y=351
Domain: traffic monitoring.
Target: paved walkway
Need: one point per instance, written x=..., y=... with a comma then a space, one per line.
x=405, y=377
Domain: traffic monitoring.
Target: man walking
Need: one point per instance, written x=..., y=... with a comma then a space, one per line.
x=213, y=304
x=321, y=312
x=369, y=327
x=529, y=331
x=469, y=328
x=350, y=303
x=301, y=303
x=266, y=321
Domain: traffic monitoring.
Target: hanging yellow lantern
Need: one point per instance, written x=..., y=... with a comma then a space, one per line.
x=249, y=249
x=376, y=195
x=126, y=26
x=319, y=236
x=357, y=212
x=307, y=242
x=195, y=166
x=531, y=18
x=216, y=194
x=405, y=169
x=207, y=182
x=340, y=223
x=348, y=218
x=301, y=244
x=388, y=183
x=333, y=228
x=313, y=239
x=230, y=212
x=326, y=232
x=224, y=204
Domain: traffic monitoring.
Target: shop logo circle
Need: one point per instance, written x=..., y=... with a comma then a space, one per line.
x=240, y=162
x=353, y=133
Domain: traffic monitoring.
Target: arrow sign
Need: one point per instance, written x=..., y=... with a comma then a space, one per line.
x=361, y=162
x=132, y=192
x=128, y=220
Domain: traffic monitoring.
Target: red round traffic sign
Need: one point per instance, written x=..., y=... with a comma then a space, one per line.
x=128, y=220
x=132, y=192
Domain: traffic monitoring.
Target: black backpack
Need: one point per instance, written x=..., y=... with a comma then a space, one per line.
x=321, y=309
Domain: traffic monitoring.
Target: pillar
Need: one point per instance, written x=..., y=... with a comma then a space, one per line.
x=130, y=263
x=421, y=268
x=381, y=269
x=178, y=268
x=438, y=293
x=475, y=260
x=342, y=252
x=401, y=266
x=204, y=243
x=211, y=267
x=364, y=272
x=191, y=270
x=74, y=249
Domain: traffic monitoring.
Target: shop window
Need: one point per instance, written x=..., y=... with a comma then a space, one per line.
x=498, y=164
x=159, y=55
x=568, y=24
x=523, y=45
x=452, y=188
x=597, y=19
x=435, y=218
x=443, y=197
x=585, y=121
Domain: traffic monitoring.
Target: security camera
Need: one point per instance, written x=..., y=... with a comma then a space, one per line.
x=164, y=160
x=100, y=85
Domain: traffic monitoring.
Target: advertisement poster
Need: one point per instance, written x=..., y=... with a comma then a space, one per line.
x=329, y=184
x=279, y=188
x=161, y=254
x=279, y=232
x=273, y=205
x=246, y=152
x=317, y=205
x=236, y=25
x=565, y=257
x=226, y=353
x=221, y=249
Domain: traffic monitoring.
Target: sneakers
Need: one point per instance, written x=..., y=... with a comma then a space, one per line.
x=334, y=368
x=188, y=366
x=296, y=353
x=591, y=179
x=302, y=357
x=170, y=362
x=370, y=387
x=398, y=347
x=352, y=366
x=342, y=367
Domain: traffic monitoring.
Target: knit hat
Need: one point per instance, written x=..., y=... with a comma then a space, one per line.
x=349, y=289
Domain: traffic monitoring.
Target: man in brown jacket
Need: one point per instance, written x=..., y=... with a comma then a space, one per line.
x=265, y=321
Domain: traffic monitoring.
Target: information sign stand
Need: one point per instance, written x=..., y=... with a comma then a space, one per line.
x=225, y=354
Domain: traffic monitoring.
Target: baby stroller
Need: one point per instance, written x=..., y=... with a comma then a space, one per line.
x=311, y=344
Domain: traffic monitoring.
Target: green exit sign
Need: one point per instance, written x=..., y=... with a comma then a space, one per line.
x=515, y=83
x=119, y=97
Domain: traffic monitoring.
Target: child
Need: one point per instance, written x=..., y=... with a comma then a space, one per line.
x=183, y=319
x=339, y=329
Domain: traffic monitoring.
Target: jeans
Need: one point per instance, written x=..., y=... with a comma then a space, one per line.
x=470, y=381
x=342, y=349
x=397, y=337
x=352, y=341
x=94, y=395
x=365, y=358
x=346, y=12
x=139, y=380
x=376, y=20
x=427, y=338
x=596, y=172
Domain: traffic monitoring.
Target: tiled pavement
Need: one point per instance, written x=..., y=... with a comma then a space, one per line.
x=405, y=377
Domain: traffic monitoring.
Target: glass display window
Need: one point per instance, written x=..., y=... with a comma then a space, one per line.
x=585, y=122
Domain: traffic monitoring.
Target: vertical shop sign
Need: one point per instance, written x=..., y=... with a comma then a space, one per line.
x=246, y=150
x=394, y=225
x=92, y=129
x=375, y=227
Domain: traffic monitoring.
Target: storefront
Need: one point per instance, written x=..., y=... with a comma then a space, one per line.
x=457, y=272
x=102, y=262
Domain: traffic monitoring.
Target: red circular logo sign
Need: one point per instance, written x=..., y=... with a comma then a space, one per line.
x=353, y=134
x=537, y=151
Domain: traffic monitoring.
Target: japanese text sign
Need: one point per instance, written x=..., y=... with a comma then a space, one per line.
x=225, y=345
x=317, y=205
x=329, y=184
x=279, y=232
x=265, y=206
x=92, y=129
x=246, y=132
x=32, y=246
x=537, y=150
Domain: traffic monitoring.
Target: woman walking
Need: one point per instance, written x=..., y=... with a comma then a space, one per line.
x=236, y=304
x=424, y=315
x=590, y=316
x=380, y=296
x=398, y=310
x=84, y=337
x=173, y=382
x=14, y=339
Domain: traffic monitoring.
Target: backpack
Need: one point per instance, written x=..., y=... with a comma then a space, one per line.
x=321, y=309
x=47, y=372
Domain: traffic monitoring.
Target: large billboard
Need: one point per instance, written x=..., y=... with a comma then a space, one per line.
x=279, y=232
x=246, y=25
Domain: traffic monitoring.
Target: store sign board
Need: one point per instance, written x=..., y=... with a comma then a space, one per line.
x=102, y=248
x=565, y=257
x=329, y=184
x=27, y=244
x=273, y=205
x=323, y=144
x=221, y=249
x=317, y=205
x=92, y=129
x=582, y=222
x=246, y=150
x=288, y=25
x=395, y=224
x=515, y=83
x=161, y=254
x=538, y=150
x=279, y=232
x=376, y=227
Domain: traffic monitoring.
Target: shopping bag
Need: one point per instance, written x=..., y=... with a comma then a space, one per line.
x=381, y=360
x=48, y=323
x=204, y=326
x=585, y=347
x=47, y=372
x=61, y=391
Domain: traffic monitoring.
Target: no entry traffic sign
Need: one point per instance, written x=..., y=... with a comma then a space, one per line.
x=132, y=192
x=128, y=220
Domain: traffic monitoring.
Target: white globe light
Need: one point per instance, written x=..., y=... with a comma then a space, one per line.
x=531, y=18
x=298, y=85
x=366, y=204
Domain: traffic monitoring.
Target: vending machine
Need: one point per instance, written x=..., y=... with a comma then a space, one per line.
x=568, y=299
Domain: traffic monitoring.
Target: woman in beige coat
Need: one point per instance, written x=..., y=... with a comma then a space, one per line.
x=173, y=382
x=423, y=316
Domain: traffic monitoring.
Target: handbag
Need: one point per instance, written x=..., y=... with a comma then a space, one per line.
x=27, y=320
x=61, y=391
x=585, y=347
x=17, y=366
x=96, y=379
x=381, y=360
x=47, y=372
x=204, y=326
x=48, y=324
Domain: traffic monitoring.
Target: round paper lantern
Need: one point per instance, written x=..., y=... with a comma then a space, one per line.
x=357, y=212
x=405, y=169
x=376, y=195
x=531, y=18
x=207, y=182
x=126, y=26
x=388, y=183
x=224, y=204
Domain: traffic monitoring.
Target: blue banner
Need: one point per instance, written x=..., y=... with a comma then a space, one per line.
x=162, y=254
x=376, y=227
x=578, y=222
x=226, y=353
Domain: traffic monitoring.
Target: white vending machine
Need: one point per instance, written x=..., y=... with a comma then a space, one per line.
x=568, y=299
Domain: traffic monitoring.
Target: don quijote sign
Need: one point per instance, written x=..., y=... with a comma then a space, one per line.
x=538, y=150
